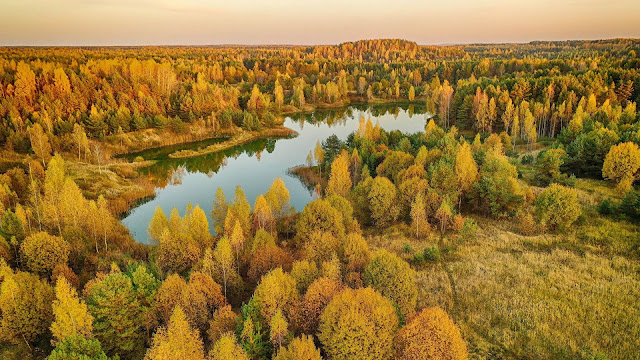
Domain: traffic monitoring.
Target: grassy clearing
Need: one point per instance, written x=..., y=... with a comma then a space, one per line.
x=119, y=183
x=569, y=295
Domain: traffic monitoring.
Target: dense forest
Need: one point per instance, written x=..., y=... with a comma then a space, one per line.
x=508, y=229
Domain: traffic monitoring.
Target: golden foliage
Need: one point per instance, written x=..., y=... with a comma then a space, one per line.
x=393, y=278
x=176, y=341
x=300, y=348
x=358, y=324
x=431, y=334
x=226, y=348
x=70, y=313
x=622, y=165
x=276, y=290
x=42, y=252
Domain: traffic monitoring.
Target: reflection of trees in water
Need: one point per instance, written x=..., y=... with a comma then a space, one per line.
x=177, y=175
x=171, y=171
x=339, y=116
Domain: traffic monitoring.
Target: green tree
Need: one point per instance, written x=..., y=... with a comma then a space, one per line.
x=76, y=347
x=117, y=314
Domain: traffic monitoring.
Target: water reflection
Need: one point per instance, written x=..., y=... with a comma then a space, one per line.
x=255, y=165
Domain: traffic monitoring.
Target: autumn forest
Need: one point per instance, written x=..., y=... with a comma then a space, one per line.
x=506, y=227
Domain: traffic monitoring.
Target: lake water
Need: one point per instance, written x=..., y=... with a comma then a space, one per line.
x=255, y=165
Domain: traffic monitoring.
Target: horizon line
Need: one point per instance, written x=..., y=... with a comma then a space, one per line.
x=310, y=45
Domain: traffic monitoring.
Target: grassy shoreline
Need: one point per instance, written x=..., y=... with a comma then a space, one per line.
x=236, y=140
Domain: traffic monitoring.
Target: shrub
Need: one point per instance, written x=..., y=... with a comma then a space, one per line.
x=527, y=159
x=431, y=254
x=469, y=230
x=606, y=207
x=557, y=206
x=630, y=205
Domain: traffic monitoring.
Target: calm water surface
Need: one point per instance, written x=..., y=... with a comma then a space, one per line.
x=255, y=165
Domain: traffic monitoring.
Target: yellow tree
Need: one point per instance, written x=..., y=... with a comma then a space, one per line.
x=278, y=94
x=73, y=206
x=42, y=252
x=237, y=241
x=278, y=197
x=25, y=83
x=446, y=97
x=199, y=227
x=40, y=143
x=507, y=115
x=430, y=335
x=340, y=177
x=465, y=168
x=262, y=215
x=300, y=348
x=318, y=154
x=80, y=139
x=419, y=214
x=25, y=305
x=412, y=93
x=176, y=341
x=358, y=324
x=622, y=165
x=71, y=316
x=444, y=214
x=226, y=348
x=278, y=329
x=276, y=290
x=224, y=263
x=393, y=278
x=53, y=183
x=242, y=210
x=158, y=224
x=382, y=198
x=61, y=82
x=224, y=320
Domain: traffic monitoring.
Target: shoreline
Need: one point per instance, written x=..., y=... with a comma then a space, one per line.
x=236, y=140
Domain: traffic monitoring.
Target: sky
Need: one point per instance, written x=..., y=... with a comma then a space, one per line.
x=308, y=22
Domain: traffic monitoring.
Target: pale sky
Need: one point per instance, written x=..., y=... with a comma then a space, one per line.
x=210, y=22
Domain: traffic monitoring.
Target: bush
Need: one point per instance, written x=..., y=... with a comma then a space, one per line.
x=630, y=205
x=469, y=230
x=431, y=254
x=527, y=159
x=606, y=207
x=557, y=206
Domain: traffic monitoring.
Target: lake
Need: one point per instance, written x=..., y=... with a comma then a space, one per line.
x=254, y=166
